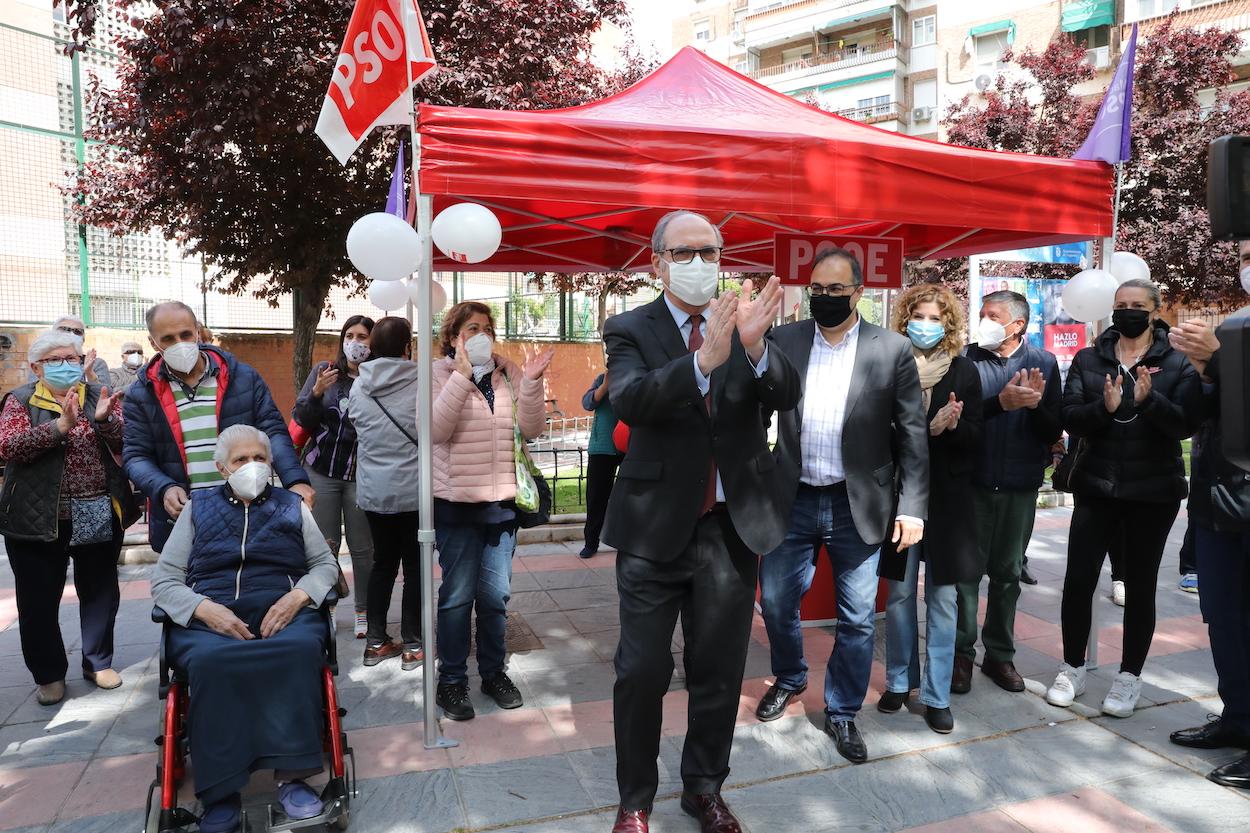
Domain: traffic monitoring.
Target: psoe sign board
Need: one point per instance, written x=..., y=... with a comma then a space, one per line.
x=881, y=258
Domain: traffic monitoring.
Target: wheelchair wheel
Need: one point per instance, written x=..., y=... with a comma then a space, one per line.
x=152, y=817
x=342, y=821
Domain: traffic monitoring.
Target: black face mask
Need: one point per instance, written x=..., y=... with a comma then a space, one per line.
x=830, y=310
x=1130, y=322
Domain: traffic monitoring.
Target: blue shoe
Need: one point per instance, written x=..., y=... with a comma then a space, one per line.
x=1189, y=582
x=299, y=801
x=223, y=816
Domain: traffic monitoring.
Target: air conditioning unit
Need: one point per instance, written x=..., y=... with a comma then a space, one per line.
x=983, y=81
x=1099, y=57
x=921, y=114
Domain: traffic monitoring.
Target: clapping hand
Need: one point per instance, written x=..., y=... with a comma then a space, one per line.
x=537, y=364
x=756, y=315
x=69, y=413
x=463, y=365
x=1196, y=340
x=89, y=366
x=947, y=417
x=1112, y=395
x=1143, y=387
x=1020, y=391
x=105, y=406
x=722, y=316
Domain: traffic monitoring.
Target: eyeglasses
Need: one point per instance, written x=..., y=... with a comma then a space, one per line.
x=56, y=363
x=816, y=289
x=708, y=254
x=75, y=330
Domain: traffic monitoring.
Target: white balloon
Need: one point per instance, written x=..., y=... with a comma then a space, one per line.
x=467, y=232
x=388, y=295
x=438, y=295
x=383, y=247
x=1125, y=266
x=1090, y=295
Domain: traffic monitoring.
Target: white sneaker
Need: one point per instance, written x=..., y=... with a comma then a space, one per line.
x=362, y=625
x=1069, y=684
x=1117, y=593
x=1122, y=698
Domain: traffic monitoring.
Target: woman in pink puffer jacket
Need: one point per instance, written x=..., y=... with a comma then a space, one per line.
x=476, y=394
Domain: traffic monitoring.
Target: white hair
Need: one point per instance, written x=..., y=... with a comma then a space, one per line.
x=50, y=340
x=238, y=433
x=71, y=318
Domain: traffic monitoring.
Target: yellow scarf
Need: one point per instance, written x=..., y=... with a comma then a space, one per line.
x=44, y=398
x=932, y=368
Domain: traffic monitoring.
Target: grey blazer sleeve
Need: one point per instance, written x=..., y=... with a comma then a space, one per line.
x=911, y=424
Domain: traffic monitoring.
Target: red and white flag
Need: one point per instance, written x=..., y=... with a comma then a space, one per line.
x=370, y=84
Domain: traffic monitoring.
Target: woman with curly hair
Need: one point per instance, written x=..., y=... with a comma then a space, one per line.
x=933, y=319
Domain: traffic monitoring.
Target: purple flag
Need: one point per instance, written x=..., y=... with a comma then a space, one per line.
x=1111, y=137
x=396, y=199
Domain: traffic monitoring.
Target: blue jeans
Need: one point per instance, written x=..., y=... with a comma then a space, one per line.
x=822, y=516
x=476, y=560
x=902, y=636
x=1224, y=564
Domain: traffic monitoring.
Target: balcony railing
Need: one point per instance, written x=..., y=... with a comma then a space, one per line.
x=887, y=111
x=834, y=59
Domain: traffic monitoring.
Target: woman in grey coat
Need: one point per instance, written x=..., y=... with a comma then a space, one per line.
x=383, y=404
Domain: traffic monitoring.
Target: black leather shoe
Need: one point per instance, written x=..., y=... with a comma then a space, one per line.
x=713, y=814
x=939, y=720
x=1236, y=774
x=453, y=699
x=1025, y=576
x=892, y=701
x=499, y=687
x=961, y=679
x=773, y=704
x=1004, y=674
x=846, y=737
x=1213, y=735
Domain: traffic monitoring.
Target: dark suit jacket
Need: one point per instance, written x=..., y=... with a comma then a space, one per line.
x=950, y=534
x=885, y=428
x=662, y=481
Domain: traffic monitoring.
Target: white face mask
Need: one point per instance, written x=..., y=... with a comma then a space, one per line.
x=356, y=351
x=133, y=360
x=182, y=357
x=990, y=334
x=479, y=349
x=693, y=282
x=1245, y=279
x=250, y=479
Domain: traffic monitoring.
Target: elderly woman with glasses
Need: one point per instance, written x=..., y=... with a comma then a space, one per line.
x=64, y=497
x=239, y=577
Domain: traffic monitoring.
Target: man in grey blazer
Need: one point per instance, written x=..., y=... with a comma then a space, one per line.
x=859, y=430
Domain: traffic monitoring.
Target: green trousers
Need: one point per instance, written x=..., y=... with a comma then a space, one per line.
x=1004, y=526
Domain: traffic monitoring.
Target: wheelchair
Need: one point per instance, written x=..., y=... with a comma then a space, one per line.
x=162, y=813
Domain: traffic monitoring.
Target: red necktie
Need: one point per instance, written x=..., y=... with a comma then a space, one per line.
x=696, y=341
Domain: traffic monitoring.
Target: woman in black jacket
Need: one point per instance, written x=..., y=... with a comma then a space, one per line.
x=1132, y=399
x=933, y=319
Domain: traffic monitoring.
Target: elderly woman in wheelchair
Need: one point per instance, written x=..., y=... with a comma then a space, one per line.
x=240, y=579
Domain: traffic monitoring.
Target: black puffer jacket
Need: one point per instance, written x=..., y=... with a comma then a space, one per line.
x=1134, y=454
x=1220, y=497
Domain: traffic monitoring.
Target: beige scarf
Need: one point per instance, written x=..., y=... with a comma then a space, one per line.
x=932, y=368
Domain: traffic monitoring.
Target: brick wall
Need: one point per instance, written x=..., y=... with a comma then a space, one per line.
x=1036, y=27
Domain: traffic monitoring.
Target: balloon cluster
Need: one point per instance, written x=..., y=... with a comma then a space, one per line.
x=1090, y=294
x=385, y=249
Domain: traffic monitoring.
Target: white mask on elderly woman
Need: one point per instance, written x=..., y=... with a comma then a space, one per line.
x=250, y=479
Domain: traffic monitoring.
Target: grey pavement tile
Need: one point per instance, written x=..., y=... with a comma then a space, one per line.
x=1185, y=802
x=567, y=579
x=1188, y=673
x=556, y=653
x=38, y=828
x=811, y=804
x=415, y=802
x=596, y=770
x=806, y=733
x=523, y=581
x=11, y=697
x=759, y=753
x=1151, y=727
x=908, y=791
x=579, y=598
x=605, y=643
x=1088, y=751
x=83, y=701
x=380, y=706
x=551, y=625
x=33, y=744
x=545, y=548
x=910, y=728
x=514, y=791
x=594, y=619
x=99, y=824
x=1010, y=771
x=533, y=601
x=574, y=683
x=1007, y=711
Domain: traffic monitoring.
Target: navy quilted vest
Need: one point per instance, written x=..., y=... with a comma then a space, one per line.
x=240, y=549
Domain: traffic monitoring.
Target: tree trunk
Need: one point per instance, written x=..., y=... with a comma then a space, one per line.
x=307, y=301
x=603, y=310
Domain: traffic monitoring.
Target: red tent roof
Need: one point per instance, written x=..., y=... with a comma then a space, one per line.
x=580, y=189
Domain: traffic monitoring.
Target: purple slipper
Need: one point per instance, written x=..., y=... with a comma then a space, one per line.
x=223, y=816
x=299, y=801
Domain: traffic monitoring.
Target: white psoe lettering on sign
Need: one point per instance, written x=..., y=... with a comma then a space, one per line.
x=871, y=257
x=384, y=40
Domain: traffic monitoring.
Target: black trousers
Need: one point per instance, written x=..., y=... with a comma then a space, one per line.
x=1224, y=564
x=1097, y=523
x=1188, y=559
x=711, y=585
x=39, y=569
x=394, y=543
x=600, y=475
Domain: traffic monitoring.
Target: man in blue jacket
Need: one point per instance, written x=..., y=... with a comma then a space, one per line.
x=174, y=411
x=1021, y=406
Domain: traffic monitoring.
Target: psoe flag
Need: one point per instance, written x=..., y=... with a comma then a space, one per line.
x=369, y=86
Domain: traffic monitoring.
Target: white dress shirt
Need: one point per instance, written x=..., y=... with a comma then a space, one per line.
x=682, y=320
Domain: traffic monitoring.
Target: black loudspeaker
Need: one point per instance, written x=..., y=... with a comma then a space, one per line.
x=1228, y=187
x=1234, y=335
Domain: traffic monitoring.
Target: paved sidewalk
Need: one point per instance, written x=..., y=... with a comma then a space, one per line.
x=1013, y=763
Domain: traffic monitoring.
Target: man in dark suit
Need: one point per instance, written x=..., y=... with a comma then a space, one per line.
x=859, y=426
x=696, y=499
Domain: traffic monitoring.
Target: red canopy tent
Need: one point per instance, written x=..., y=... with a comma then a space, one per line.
x=580, y=189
